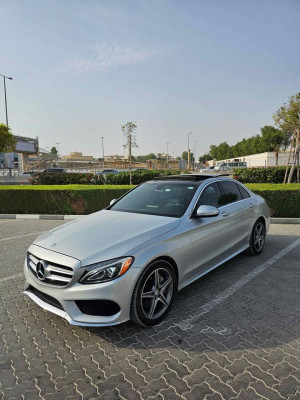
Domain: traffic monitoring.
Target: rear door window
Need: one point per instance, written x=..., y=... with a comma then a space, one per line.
x=230, y=193
x=244, y=192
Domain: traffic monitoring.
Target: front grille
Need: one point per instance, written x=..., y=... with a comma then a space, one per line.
x=56, y=274
x=101, y=308
x=45, y=297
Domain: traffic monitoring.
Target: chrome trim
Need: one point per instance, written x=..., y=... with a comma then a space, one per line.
x=52, y=272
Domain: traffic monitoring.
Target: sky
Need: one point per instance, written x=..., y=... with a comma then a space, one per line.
x=83, y=68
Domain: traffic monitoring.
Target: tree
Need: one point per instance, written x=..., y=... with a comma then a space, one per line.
x=7, y=140
x=53, y=150
x=185, y=156
x=160, y=157
x=129, y=131
x=287, y=118
x=206, y=157
x=150, y=156
x=272, y=139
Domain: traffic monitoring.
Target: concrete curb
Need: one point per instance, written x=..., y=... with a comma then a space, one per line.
x=37, y=216
x=285, y=220
x=70, y=217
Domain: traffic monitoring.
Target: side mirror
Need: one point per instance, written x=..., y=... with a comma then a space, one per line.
x=207, y=211
x=112, y=202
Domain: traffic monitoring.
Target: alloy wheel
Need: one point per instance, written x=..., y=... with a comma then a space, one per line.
x=156, y=293
x=259, y=237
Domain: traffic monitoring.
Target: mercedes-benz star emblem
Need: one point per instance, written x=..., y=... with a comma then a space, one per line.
x=40, y=271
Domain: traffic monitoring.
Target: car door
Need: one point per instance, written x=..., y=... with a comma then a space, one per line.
x=217, y=238
x=209, y=234
x=237, y=208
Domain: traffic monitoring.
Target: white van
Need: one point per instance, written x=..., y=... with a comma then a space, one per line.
x=229, y=166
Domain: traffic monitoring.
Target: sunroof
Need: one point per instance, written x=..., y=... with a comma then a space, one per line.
x=186, y=177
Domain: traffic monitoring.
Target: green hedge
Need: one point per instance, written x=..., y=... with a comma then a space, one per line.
x=85, y=199
x=71, y=199
x=90, y=179
x=137, y=176
x=67, y=179
x=262, y=175
x=284, y=200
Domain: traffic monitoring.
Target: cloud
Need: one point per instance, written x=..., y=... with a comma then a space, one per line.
x=107, y=56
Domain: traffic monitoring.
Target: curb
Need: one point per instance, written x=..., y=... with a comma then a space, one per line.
x=37, y=216
x=285, y=220
x=71, y=217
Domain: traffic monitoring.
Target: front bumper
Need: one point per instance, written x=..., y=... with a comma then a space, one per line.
x=118, y=291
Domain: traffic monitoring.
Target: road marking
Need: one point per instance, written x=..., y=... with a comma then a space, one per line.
x=21, y=236
x=188, y=323
x=7, y=278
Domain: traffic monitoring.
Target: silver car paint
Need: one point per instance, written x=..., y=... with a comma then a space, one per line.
x=196, y=246
x=112, y=231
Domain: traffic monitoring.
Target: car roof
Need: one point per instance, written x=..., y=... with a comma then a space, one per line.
x=189, y=177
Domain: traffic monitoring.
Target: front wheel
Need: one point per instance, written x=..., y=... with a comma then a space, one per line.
x=257, y=239
x=153, y=294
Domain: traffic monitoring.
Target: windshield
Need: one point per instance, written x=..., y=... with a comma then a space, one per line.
x=169, y=199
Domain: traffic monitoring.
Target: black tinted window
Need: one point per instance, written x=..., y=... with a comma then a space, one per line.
x=210, y=196
x=244, y=192
x=230, y=193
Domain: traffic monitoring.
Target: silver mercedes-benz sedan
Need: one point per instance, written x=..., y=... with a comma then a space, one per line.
x=129, y=260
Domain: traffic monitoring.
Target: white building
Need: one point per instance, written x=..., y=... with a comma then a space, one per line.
x=267, y=159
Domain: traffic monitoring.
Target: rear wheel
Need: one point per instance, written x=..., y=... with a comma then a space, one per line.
x=153, y=294
x=257, y=239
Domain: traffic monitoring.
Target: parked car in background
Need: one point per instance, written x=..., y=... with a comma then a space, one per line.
x=129, y=260
x=207, y=169
x=230, y=166
x=107, y=171
x=28, y=173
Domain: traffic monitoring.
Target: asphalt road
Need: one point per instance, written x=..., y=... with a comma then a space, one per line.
x=234, y=334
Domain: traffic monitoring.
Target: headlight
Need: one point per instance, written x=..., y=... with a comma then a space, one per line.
x=106, y=270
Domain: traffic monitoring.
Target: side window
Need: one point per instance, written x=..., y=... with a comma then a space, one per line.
x=244, y=192
x=230, y=193
x=210, y=196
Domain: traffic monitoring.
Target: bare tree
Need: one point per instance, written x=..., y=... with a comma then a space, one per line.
x=288, y=119
x=129, y=131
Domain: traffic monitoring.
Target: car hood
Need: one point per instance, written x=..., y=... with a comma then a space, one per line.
x=105, y=235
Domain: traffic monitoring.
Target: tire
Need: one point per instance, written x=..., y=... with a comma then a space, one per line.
x=153, y=294
x=257, y=238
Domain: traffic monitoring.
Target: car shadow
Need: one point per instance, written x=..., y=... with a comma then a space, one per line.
x=262, y=314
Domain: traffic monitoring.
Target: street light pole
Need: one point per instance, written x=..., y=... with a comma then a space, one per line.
x=168, y=154
x=196, y=141
x=102, y=150
x=189, y=152
x=6, y=77
x=57, y=154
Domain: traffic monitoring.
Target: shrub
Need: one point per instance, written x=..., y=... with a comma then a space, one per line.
x=261, y=175
x=90, y=179
x=284, y=200
x=71, y=199
x=67, y=179
x=137, y=176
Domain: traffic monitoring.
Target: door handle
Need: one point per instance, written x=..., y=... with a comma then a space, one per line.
x=251, y=205
x=225, y=213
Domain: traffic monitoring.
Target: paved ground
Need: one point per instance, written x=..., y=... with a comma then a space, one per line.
x=234, y=334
